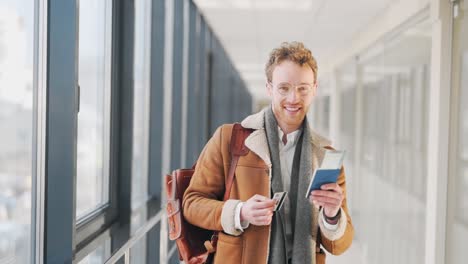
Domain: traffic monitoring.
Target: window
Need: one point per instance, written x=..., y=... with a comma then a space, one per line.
x=141, y=100
x=17, y=21
x=94, y=79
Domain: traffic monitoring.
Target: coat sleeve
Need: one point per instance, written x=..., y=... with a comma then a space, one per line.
x=337, y=241
x=202, y=203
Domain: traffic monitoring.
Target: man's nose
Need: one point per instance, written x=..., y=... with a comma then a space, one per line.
x=292, y=96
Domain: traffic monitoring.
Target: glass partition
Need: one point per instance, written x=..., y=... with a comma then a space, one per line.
x=390, y=222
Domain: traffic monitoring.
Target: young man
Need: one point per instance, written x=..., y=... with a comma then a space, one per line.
x=284, y=152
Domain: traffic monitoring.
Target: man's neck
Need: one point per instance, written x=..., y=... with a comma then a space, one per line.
x=288, y=129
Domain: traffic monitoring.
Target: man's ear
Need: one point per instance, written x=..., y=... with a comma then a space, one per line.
x=314, y=89
x=269, y=89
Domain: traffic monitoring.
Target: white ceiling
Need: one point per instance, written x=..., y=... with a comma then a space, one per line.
x=250, y=29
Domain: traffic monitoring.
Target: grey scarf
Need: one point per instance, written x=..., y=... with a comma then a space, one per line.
x=303, y=251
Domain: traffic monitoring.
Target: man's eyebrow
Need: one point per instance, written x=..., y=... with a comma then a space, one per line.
x=301, y=83
x=298, y=83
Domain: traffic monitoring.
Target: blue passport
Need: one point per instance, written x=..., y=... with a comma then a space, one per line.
x=328, y=172
x=321, y=177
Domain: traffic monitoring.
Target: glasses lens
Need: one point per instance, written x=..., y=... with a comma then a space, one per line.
x=284, y=88
x=304, y=89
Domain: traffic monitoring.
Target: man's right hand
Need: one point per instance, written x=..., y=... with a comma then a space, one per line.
x=258, y=210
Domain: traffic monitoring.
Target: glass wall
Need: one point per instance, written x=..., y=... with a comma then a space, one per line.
x=321, y=114
x=457, y=224
x=94, y=79
x=346, y=84
x=17, y=19
x=395, y=86
x=383, y=122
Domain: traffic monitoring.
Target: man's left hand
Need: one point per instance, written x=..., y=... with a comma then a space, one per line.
x=329, y=197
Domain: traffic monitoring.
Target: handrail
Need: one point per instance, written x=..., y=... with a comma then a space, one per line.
x=125, y=249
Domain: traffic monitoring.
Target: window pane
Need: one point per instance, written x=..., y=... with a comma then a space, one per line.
x=16, y=129
x=141, y=101
x=94, y=116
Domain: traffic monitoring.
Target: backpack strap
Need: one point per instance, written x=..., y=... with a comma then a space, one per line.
x=237, y=149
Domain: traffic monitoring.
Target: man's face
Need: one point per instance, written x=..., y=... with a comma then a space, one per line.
x=290, y=109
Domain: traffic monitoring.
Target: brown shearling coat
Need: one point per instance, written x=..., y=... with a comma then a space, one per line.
x=203, y=205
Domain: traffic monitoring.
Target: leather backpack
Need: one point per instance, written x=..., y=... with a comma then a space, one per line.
x=197, y=245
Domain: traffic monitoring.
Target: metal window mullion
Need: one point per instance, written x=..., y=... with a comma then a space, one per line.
x=156, y=117
x=194, y=88
x=185, y=51
x=39, y=134
x=438, y=135
x=157, y=96
x=61, y=134
x=456, y=215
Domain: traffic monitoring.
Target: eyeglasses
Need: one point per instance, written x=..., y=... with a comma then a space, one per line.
x=285, y=88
